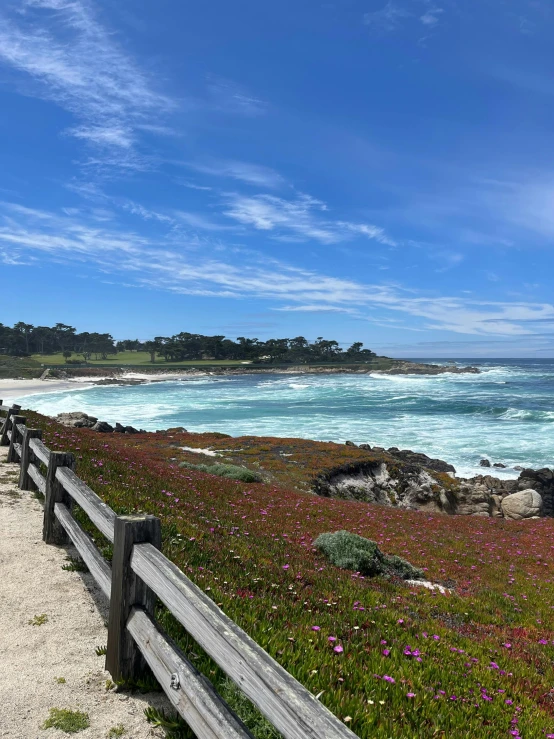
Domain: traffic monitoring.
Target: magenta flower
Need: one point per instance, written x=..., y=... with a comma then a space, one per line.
x=386, y=652
x=285, y=567
x=388, y=679
x=338, y=649
x=332, y=638
x=410, y=695
x=316, y=628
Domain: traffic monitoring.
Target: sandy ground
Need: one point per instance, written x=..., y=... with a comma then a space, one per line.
x=10, y=390
x=33, y=658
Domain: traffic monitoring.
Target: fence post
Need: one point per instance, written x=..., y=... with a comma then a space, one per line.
x=4, y=435
x=52, y=531
x=12, y=456
x=124, y=660
x=25, y=482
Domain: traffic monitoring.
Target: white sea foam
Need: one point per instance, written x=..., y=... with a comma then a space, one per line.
x=459, y=418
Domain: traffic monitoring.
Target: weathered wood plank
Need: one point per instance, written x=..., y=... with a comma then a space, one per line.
x=25, y=480
x=288, y=705
x=12, y=411
x=17, y=452
x=99, y=513
x=18, y=422
x=52, y=531
x=37, y=478
x=123, y=660
x=40, y=451
x=97, y=565
x=194, y=698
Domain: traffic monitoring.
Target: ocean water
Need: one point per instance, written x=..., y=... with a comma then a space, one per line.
x=504, y=414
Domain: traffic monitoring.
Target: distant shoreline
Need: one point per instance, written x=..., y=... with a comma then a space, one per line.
x=63, y=378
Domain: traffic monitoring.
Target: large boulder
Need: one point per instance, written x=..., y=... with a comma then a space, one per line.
x=76, y=419
x=103, y=427
x=543, y=482
x=523, y=504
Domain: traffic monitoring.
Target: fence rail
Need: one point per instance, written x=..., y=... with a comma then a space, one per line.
x=138, y=575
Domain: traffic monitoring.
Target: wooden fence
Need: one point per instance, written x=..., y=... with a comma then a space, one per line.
x=140, y=573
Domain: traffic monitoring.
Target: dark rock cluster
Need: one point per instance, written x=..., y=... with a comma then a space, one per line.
x=82, y=420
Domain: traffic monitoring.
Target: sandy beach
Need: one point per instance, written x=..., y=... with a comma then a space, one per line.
x=10, y=390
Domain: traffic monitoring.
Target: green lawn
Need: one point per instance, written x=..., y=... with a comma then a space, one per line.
x=127, y=358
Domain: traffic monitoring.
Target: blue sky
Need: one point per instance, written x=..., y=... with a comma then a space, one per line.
x=374, y=171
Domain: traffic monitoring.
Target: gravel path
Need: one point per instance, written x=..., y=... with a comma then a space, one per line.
x=35, y=658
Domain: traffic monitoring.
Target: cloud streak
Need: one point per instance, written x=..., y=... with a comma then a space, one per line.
x=69, y=58
x=297, y=220
x=180, y=267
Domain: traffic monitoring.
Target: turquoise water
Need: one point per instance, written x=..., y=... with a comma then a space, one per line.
x=505, y=414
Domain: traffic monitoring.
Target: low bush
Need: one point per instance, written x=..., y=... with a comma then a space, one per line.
x=352, y=552
x=69, y=721
x=232, y=471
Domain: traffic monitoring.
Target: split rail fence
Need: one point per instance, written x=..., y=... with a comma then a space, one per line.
x=140, y=573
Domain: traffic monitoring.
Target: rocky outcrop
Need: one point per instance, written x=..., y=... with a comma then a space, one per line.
x=543, y=482
x=76, y=420
x=103, y=427
x=438, y=465
x=410, y=480
x=523, y=504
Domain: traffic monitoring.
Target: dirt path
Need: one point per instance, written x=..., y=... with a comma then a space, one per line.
x=35, y=658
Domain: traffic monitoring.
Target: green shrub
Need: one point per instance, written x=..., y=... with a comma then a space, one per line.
x=69, y=721
x=232, y=471
x=352, y=552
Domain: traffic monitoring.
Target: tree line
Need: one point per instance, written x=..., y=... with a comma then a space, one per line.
x=24, y=339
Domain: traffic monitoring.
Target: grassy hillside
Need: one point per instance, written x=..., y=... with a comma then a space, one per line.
x=124, y=358
x=387, y=658
x=142, y=359
x=19, y=367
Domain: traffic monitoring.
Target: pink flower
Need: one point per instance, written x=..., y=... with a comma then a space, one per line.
x=316, y=628
x=508, y=646
x=338, y=649
x=285, y=567
x=410, y=695
x=332, y=638
x=388, y=679
x=386, y=652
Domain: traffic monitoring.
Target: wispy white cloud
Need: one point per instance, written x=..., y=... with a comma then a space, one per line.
x=388, y=18
x=229, y=97
x=431, y=16
x=68, y=57
x=252, y=174
x=200, y=221
x=299, y=219
x=179, y=266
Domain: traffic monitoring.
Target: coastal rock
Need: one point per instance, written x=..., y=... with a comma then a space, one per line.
x=119, y=429
x=103, y=427
x=438, y=465
x=524, y=504
x=350, y=443
x=499, y=465
x=76, y=419
x=131, y=430
x=484, y=463
x=543, y=482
